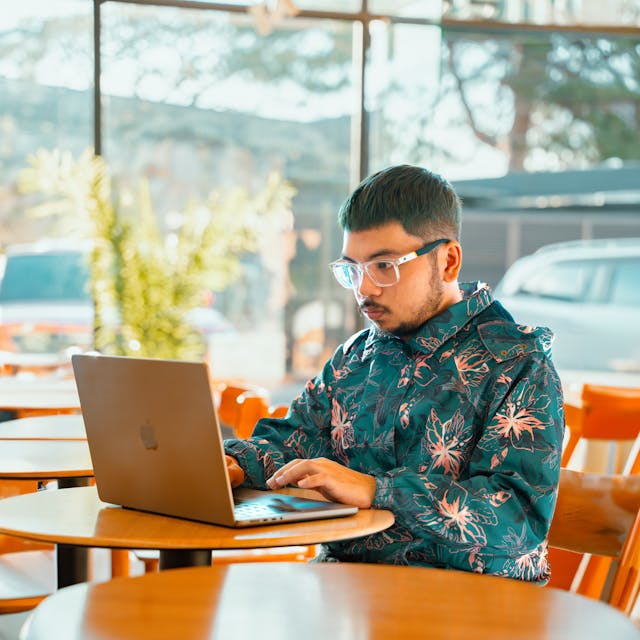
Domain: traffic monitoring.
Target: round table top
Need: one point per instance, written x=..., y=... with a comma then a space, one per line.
x=77, y=516
x=38, y=393
x=53, y=427
x=289, y=601
x=46, y=459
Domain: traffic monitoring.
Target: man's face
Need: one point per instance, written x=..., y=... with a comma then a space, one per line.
x=402, y=308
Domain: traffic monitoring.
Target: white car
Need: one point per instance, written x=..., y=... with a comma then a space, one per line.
x=588, y=293
x=46, y=306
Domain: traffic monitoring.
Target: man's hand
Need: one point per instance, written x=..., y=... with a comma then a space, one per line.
x=236, y=474
x=333, y=480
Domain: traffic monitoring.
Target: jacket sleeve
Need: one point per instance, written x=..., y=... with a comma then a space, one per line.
x=493, y=516
x=304, y=433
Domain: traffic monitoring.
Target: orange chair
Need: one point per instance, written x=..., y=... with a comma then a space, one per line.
x=605, y=414
x=252, y=408
x=229, y=408
x=27, y=568
x=596, y=514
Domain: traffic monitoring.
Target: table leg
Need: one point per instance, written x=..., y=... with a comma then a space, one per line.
x=66, y=483
x=177, y=558
x=72, y=562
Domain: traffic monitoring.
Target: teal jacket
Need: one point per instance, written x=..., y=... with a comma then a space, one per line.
x=461, y=426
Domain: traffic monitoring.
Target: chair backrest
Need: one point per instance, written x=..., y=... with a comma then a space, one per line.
x=251, y=409
x=612, y=413
x=229, y=408
x=605, y=413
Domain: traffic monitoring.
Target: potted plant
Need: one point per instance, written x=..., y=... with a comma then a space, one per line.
x=149, y=279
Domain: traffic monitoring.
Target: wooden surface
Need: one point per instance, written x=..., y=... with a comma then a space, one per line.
x=35, y=459
x=54, y=427
x=318, y=602
x=77, y=517
x=594, y=512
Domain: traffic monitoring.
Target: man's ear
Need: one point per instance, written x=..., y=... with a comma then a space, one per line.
x=453, y=262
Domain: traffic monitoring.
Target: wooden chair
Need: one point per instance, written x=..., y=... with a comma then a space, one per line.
x=605, y=415
x=626, y=581
x=595, y=515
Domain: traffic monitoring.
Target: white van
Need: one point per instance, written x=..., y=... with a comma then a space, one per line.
x=588, y=293
x=45, y=304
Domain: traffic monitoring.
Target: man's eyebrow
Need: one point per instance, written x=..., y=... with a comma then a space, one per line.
x=378, y=254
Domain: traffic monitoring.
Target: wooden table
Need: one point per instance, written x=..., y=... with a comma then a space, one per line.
x=78, y=517
x=38, y=396
x=53, y=427
x=68, y=462
x=45, y=459
x=290, y=601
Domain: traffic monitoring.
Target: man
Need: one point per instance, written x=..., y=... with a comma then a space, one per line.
x=444, y=411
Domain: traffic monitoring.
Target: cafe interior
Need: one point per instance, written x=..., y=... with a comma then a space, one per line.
x=171, y=176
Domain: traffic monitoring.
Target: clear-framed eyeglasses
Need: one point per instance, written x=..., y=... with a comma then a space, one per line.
x=383, y=273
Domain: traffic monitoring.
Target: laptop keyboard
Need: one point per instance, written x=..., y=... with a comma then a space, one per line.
x=253, y=510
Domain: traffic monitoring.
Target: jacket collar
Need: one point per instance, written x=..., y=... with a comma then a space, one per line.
x=476, y=297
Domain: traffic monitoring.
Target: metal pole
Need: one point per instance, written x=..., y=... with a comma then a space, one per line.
x=97, y=92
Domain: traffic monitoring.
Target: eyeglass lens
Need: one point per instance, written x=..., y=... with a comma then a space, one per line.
x=382, y=272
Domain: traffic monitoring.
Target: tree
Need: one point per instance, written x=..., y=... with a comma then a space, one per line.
x=547, y=100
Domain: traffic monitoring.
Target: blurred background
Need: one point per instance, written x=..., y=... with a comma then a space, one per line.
x=255, y=120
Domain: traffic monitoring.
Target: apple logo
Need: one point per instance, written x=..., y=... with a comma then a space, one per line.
x=148, y=436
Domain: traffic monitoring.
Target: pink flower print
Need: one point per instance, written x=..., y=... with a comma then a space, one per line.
x=341, y=428
x=472, y=367
x=496, y=459
x=457, y=518
x=423, y=374
x=404, y=378
x=516, y=421
x=499, y=498
x=404, y=410
x=446, y=443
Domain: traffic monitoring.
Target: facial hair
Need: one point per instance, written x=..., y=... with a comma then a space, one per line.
x=430, y=307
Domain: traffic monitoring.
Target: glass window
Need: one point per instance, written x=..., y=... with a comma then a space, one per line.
x=562, y=281
x=425, y=9
x=46, y=77
x=625, y=283
x=197, y=102
x=480, y=105
x=614, y=12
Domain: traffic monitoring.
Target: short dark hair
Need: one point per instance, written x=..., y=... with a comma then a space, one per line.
x=424, y=203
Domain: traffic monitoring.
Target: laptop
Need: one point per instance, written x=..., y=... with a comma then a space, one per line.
x=156, y=445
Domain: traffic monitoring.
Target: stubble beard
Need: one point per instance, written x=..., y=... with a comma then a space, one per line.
x=430, y=307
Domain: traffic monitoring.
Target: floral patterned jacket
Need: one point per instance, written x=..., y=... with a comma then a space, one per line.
x=461, y=426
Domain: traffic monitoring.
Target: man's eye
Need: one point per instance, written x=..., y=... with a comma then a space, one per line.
x=384, y=265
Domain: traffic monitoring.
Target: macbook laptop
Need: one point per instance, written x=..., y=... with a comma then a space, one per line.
x=155, y=444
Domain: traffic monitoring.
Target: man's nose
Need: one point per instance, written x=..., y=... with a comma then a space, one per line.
x=367, y=287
